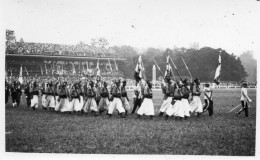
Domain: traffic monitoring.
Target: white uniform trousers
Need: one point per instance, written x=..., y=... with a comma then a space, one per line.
x=43, y=100
x=63, y=105
x=103, y=104
x=76, y=105
x=125, y=103
x=50, y=102
x=196, y=105
x=35, y=101
x=91, y=105
x=186, y=107
x=166, y=104
x=116, y=103
x=57, y=103
x=176, y=110
x=146, y=108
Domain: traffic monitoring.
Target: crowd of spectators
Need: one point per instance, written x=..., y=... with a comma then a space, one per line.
x=29, y=48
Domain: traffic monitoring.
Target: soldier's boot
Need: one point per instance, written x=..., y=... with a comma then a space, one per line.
x=166, y=117
x=33, y=107
x=110, y=115
x=151, y=117
x=122, y=115
x=125, y=113
x=96, y=113
x=160, y=114
x=138, y=116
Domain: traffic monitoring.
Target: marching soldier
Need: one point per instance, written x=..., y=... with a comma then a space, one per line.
x=168, y=94
x=124, y=98
x=147, y=107
x=43, y=91
x=196, y=105
x=35, y=98
x=90, y=104
x=16, y=93
x=7, y=92
x=50, y=97
x=137, y=95
x=27, y=92
x=75, y=96
x=104, y=102
x=185, y=91
x=177, y=108
x=116, y=101
x=208, y=99
x=244, y=100
x=63, y=98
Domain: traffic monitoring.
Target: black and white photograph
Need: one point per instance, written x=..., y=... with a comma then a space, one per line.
x=129, y=78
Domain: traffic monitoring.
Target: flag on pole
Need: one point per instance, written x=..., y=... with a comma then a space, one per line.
x=168, y=73
x=46, y=69
x=218, y=71
x=116, y=64
x=109, y=65
x=139, y=70
x=41, y=70
x=98, y=76
x=26, y=71
x=73, y=69
x=21, y=75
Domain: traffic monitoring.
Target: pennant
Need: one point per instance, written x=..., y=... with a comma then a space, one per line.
x=21, y=75
x=139, y=70
x=109, y=65
x=218, y=71
x=168, y=72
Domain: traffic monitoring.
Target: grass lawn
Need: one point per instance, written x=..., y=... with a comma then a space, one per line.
x=44, y=131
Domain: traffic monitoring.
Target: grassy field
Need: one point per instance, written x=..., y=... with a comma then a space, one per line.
x=43, y=131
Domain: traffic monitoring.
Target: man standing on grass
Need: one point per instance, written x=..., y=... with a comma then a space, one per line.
x=124, y=98
x=208, y=99
x=137, y=96
x=196, y=105
x=244, y=100
x=35, y=98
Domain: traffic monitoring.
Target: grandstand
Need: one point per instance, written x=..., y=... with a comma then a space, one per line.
x=51, y=59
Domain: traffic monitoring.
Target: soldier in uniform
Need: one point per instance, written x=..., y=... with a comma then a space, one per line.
x=147, y=107
x=196, y=105
x=35, y=98
x=27, y=92
x=104, y=102
x=16, y=93
x=167, y=90
x=177, y=108
x=90, y=104
x=208, y=99
x=185, y=91
x=75, y=97
x=137, y=95
x=63, y=98
x=244, y=100
x=116, y=101
x=7, y=92
x=43, y=91
x=124, y=98
x=50, y=97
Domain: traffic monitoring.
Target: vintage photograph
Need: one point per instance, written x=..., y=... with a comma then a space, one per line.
x=130, y=77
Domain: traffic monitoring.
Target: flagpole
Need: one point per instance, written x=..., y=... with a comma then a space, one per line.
x=176, y=68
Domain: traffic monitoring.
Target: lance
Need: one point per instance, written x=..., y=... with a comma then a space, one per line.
x=158, y=68
x=234, y=108
x=176, y=68
x=186, y=67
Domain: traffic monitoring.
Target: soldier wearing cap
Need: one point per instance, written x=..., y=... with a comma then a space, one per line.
x=208, y=99
x=185, y=90
x=116, y=101
x=63, y=93
x=16, y=93
x=244, y=100
x=167, y=90
x=196, y=105
x=35, y=94
x=147, y=107
x=90, y=104
x=50, y=96
x=124, y=98
x=137, y=95
x=104, y=102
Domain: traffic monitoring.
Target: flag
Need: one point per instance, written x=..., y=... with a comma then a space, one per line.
x=98, y=77
x=139, y=70
x=109, y=65
x=21, y=75
x=218, y=71
x=116, y=64
x=26, y=71
x=46, y=69
x=73, y=69
x=41, y=70
x=168, y=72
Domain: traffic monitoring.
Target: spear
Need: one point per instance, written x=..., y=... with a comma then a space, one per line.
x=176, y=68
x=158, y=68
x=186, y=67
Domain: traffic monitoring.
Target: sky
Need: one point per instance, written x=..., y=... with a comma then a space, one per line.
x=232, y=25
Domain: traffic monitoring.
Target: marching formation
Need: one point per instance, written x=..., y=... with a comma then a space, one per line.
x=91, y=95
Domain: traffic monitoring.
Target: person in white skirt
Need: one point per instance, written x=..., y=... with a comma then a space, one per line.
x=177, y=108
x=43, y=96
x=35, y=98
x=196, y=105
x=90, y=103
x=147, y=107
x=167, y=89
x=124, y=98
x=50, y=97
x=116, y=101
x=63, y=98
x=185, y=91
x=75, y=97
x=104, y=102
x=56, y=91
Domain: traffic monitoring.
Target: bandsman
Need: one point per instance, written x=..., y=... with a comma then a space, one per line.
x=196, y=105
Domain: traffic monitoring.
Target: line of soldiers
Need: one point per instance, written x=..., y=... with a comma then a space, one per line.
x=180, y=99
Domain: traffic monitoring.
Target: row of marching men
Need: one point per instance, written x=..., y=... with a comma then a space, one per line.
x=180, y=98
